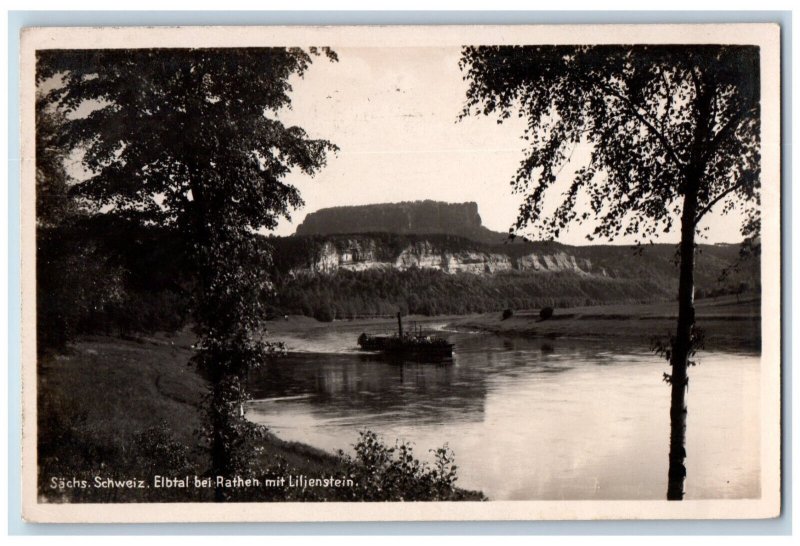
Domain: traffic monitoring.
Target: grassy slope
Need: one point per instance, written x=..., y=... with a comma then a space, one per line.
x=127, y=386
x=151, y=375
x=124, y=387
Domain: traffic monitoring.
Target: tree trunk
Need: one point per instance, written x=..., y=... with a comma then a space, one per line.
x=681, y=349
x=220, y=461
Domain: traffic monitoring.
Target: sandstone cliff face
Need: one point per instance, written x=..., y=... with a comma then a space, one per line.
x=558, y=261
x=358, y=255
x=361, y=254
x=353, y=240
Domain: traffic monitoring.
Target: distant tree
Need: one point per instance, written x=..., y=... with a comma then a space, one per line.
x=325, y=312
x=190, y=139
x=55, y=307
x=673, y=131
x=75, y=282
x=742, y=289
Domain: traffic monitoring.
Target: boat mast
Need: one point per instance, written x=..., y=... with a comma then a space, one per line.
x=399, y=324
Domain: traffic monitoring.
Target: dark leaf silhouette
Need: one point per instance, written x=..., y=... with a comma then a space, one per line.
x=190, y=140
x=672, y=133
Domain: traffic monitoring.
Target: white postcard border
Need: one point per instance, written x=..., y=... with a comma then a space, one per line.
x=767, y=36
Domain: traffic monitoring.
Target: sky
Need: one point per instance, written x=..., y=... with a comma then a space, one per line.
x=393, y=112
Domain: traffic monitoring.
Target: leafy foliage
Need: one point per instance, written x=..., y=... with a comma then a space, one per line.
x=190, y=139
x=351, y=294
x=77, y=288
x=141, y=279
x=176, y=130
x=664, y=348
x=103, y=275
x=673, y=131
x=53, y=206
x=654, y=117
x=383, y=473
x=630, y=279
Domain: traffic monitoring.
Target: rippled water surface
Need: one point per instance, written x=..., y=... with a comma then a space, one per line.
x=527, y=418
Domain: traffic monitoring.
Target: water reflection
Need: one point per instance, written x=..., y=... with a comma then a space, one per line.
x=337, y=385
x=527, y=418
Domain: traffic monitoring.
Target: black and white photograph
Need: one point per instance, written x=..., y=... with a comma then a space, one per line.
x=409, y=273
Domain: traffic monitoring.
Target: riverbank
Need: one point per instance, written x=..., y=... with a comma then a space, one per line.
x=116, y=395
x=127, y=408
x=729, y=323
x=529, y=416
x=118, y=408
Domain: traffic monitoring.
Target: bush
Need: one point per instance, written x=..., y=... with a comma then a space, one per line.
x=546, y=313
x=507, y=314
x=96, y=276
x=383, y=473
x=158, y=452
x=324, y=314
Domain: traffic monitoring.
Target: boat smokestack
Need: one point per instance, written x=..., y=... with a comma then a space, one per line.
x=399, y=324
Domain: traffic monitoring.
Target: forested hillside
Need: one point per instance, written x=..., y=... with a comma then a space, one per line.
x=378, y=283
x=133, y=278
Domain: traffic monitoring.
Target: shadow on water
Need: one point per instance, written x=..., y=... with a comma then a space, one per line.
x=528, y=418
x=335, y=386
x=339, y=385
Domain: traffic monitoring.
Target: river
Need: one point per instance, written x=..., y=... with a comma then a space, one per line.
x=528, y=419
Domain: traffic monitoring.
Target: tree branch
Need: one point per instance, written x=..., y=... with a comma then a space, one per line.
x=635, y=111
x=716, y=200
x=669, y=97
x=733, y=122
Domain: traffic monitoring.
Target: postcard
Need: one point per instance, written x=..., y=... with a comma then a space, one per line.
x=401, y=273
